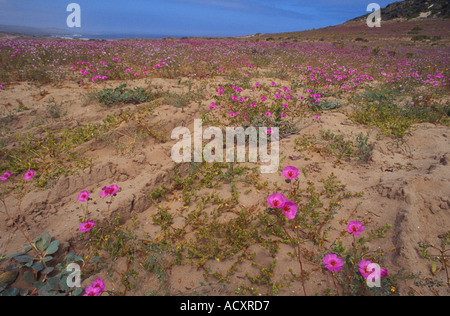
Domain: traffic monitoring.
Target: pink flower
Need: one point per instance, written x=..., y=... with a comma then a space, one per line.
x=273, y=84
x=92, y=291
x=1, y=86
x=85, y=227
x=232, y=114
x=367, y=269
x=97, y=288
x=99, y=284
x=364, y=268
x=290, y=172
x=289, y=209
x=114, y=189
x=269, y=131
x=276, y=200
x=109, y=191
x=317, y=117
x=83, y=196
x=333, y=262
x=28, y=175
x=355, y=228
x=5, y=176
x=263, y=99
x=268, y=113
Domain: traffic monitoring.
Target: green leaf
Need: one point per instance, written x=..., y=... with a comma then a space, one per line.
x=63, y=284
x=10, y=292
x=78, y=291
x=54, y=283
x=73, y=257
x=52, y=248
x=23, y=292
x=29, y=277
x=3, y=286
x=38, y=266
x=433, y=268
x=48, y=270
x=95, y=259
x=43, y=241
x=24, y=258
x=45, y=290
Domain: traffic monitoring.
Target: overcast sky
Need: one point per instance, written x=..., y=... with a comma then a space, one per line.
x=186, y=17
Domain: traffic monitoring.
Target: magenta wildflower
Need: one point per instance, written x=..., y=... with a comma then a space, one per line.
x=83, y=196
x=111, y=190
x=114, y=189
x=367, y=269
x=92, y=291
x=276, y=200
x=29, y=174
x=5, y=176
x=85, y=227
x=333, y=262
x=99, y=284
x=355, y=228
x=290, y=172
x=289, y=209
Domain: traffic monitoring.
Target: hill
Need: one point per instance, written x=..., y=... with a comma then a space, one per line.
x=412, y=9
x=403, y=21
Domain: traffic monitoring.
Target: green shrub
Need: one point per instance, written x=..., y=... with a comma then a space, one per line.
x=121, y=95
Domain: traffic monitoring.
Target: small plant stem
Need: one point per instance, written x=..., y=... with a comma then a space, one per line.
x=334, y=282
x=353, y=266
x=444, y=263
x=298, y=251
x=27, y=237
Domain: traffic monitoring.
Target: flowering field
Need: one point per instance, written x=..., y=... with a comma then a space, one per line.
x=359, y=205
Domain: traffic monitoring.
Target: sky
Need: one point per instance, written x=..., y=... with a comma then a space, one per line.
x=185, y=17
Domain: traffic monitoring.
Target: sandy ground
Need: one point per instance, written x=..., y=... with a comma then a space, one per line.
x=407, y=187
